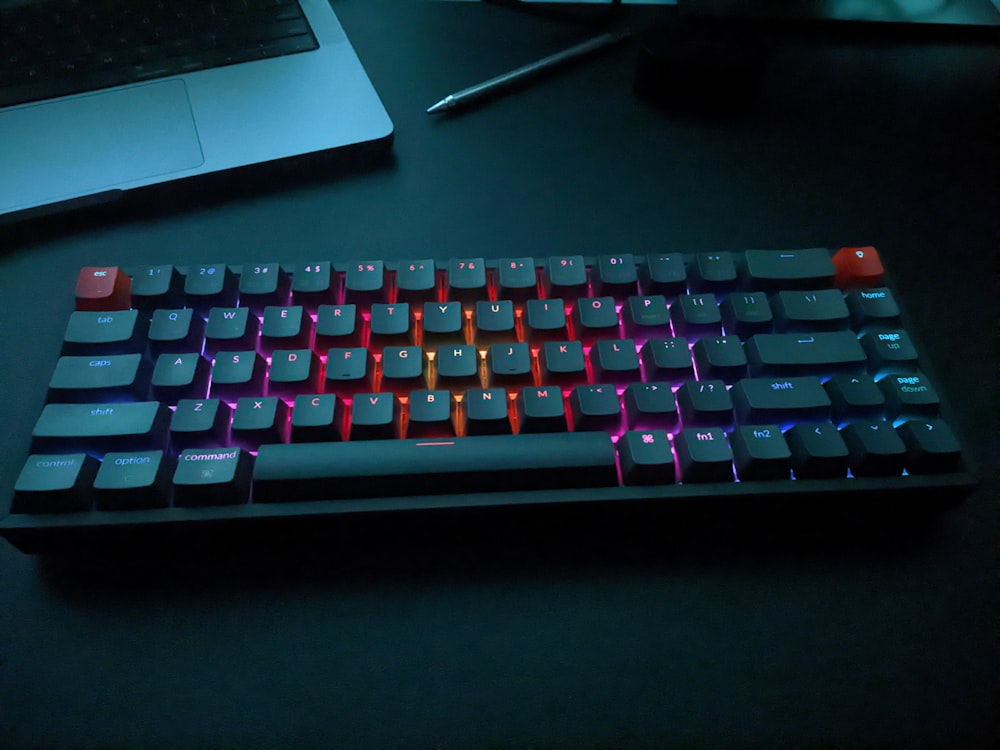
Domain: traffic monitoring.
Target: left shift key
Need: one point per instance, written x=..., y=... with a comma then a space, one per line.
x=140, y=425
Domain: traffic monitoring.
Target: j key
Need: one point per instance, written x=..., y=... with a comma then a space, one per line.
x=667, y=359
x=595, y=407
x=616, y=276
x=780, y=399
x=720, y=357
x=99, y=378
x=746, y=313
x=911, y=394
x=562, y=363
x=516, y=278
x=705, y=402
x=231, y=328
x=103, y=333
x=176, y=330
x=485, y=411
x=931, y=446
x=714, y=272
x=457, y=366
x=874, y=448
x=854, y=396
x=258, y=420
x=663, y=274
x=818, y=451
x=494, y=322
x=364, y=283
x=594, y=317
x=116, y=426
x=696, y=314
x=430, y=415
x=209, y=286
x=650, y=405
x=874, y=306
x=212, y=477
x=293, y=371
x=646, y=457
x=317, y=418
x=545, y=321
x=614, y=361
x=508, y=364
x=262, y=285
x=803, y=354
x=643, y=317
x=337, y=325
x=889, y=350
x=540, y=410
x=180, y=375
x=349, y=370
x=156, y=286
x=442, y=323
x=313, y=284
x=760, y=452
x=566, y=277
x=402, y=369
x=319, y=471
x=285, y=327
x=389, y=324
x=416, y=282
x=769, y=270
x=103, y=288
x=857, y=267
x=466, y=279
x=817, y=310
x=237, y=373
x=199, y=422
x=375, y=416
x=133, y=480
x=55, y=484
x=703, y=455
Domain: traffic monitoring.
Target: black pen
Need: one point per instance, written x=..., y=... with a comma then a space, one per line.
x=485, y=88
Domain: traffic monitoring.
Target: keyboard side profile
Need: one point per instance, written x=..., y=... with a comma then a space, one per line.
x=217, y=397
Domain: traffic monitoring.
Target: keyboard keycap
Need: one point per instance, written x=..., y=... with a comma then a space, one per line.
x=931, y=446
x=133, y=480
x=114, y=426
x=114, y=332
x=100, y=378
x=874, y=447
x=646, y=457
x=704, y=455
x=212, y=477
x=804, y=354
x=488, y=463
x=780, y=399
x=760, y=452
x=103, y=288
x=55, y=484
x=770, y=270
x=818, y=451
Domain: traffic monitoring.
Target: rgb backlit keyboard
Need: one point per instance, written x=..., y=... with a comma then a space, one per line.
x=211, y=394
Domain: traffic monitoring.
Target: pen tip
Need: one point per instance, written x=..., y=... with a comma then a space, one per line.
x=441, y=105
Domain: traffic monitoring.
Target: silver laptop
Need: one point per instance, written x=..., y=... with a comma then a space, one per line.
x=87, y=147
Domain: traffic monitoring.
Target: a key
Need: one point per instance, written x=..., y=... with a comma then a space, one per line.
x=720, y=357
x=293, y=371
x=705, y=402
x=696, y=315
x=416, y=282
x=649, y=406
x=663, y=274
x=285, y=327
x=857, y=267
x=595, y=407
x=442, y=323
x=646, y=457
x=545, y=321
x=485, y=411
x=614, y=361
x=508, y=364
x=616, y=276
x=703, y=455
x=853, y=396
x=889, y=349
x=430, y=415
x=208, y=286
x=818, y=451
x=180, y=375
x=759, y=400
x=804, y=353
x=770, y=270
x=206, y=476
x=375, y=416
x=667, y=359
x=516, y=278
x=457, y=366
x=99, y=378
x=402, y=369
x=263, y=285
x=760, y=452
x=494, y=322
x=466, y=279
x=874, y=448
x=238, y=373
x=541, y=410
x=107, y=426
x=258, y=420
x=746, y=313
x=230, y=329
x=487, y=463
x=337, y=325
x=931, y=446
x=56, y=483
x=593, y=318
x=199, y=422
x=176, y=330
x=349, y=370
x=643, y=317
x=133, y=480
x=565, y=277
x=313, y=284
x=562, y=363
x=389, y=325
x=873, y=307
x=103, y=288
x=103, y=333
x=317, y=418
x=812, y=310
x=714, y=272
x=364, y=283
x=911, y=395
x=156, y=287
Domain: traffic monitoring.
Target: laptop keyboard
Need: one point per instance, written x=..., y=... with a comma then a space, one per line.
x=55, y=48
x=216, y=394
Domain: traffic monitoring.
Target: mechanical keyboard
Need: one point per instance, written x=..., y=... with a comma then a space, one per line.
x=217, y=396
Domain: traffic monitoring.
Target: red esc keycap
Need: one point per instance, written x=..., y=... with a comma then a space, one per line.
x=100, y=288
x=857, y=267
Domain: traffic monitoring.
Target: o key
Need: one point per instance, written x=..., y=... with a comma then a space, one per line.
x=103, y=288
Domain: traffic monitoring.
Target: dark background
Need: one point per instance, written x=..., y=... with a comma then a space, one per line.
x=584, y=630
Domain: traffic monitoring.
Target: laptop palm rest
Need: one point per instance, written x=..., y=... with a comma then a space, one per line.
x=102, y=141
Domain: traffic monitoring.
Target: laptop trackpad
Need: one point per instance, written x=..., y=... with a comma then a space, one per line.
x=96, y=142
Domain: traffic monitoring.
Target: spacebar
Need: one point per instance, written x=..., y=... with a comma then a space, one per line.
x=384, y=468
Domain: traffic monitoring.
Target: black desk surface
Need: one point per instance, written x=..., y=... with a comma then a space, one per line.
x=581, y=633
